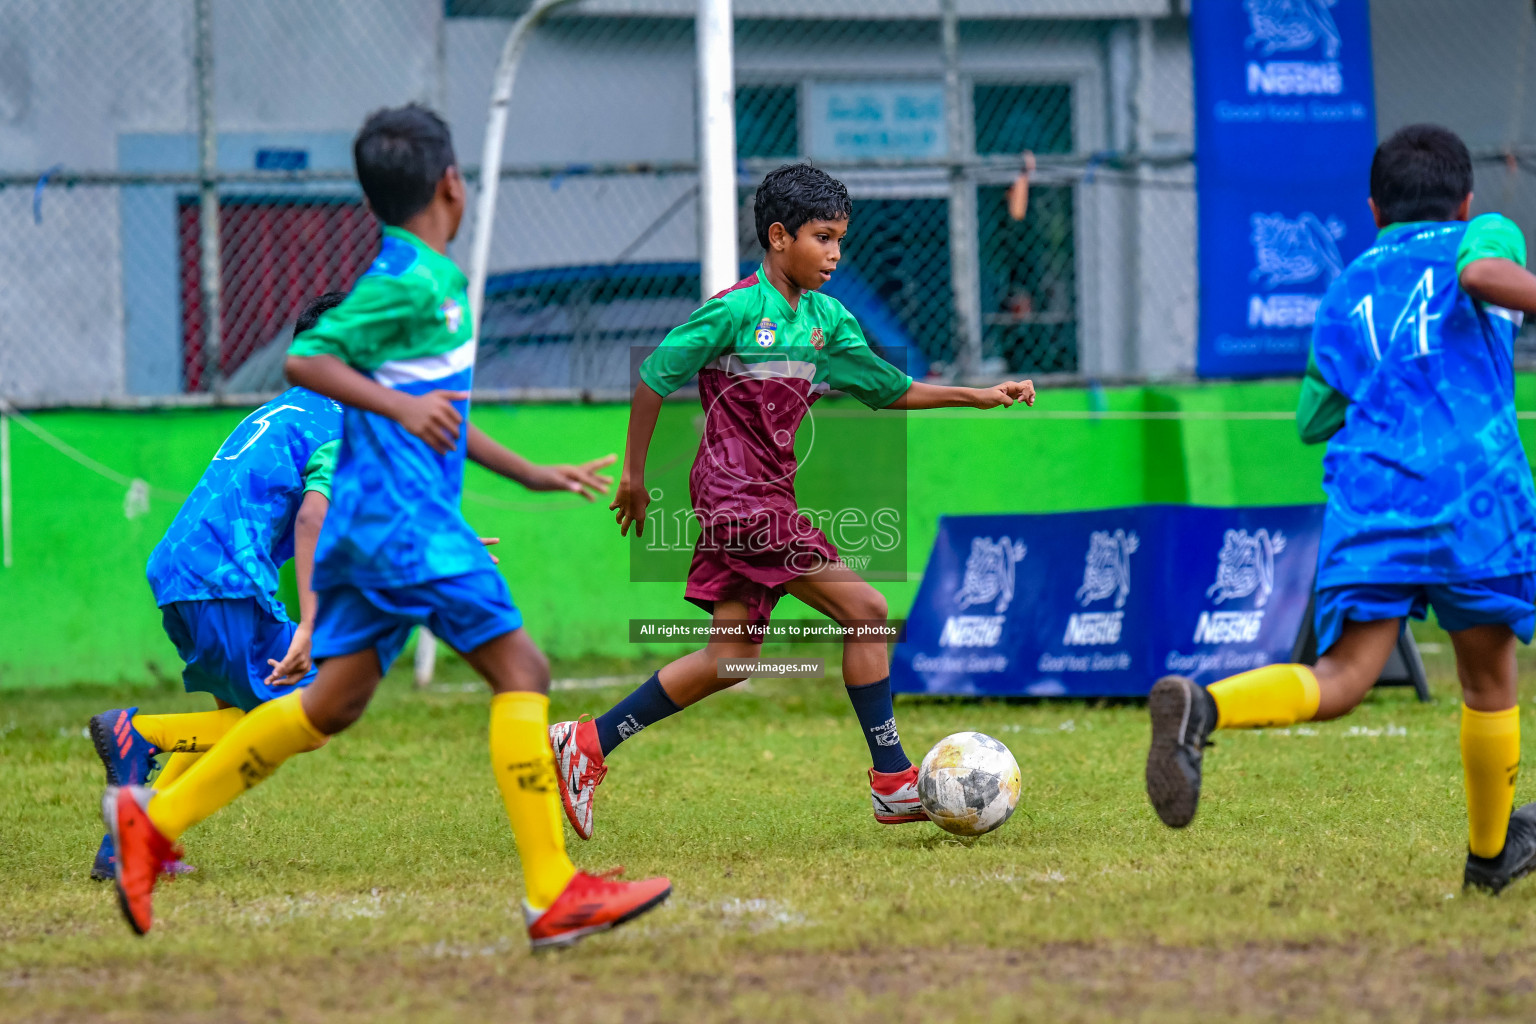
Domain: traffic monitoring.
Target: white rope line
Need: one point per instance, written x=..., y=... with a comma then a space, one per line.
x=1195, y=415
x=69, y=451
x=1186, y=415
x=1182, y=414
x=525, y=506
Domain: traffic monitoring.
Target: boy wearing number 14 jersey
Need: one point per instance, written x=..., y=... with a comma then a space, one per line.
x=764, y=350
x=1430, y=498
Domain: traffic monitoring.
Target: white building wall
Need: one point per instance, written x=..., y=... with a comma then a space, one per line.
x=73, y=82
x=322, y=65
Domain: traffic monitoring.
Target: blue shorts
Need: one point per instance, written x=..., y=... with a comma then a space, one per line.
x=463, y=611
x=226, y=644
x=1505, y=600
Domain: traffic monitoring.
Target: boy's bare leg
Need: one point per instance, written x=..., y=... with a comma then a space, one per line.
x=695, y=676
x=847, y=599
x=511, y=663
x=1485, y=665
x=1348, y=670
x=678, y=684
x=341, y=691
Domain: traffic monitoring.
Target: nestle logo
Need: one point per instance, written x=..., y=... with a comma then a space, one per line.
x=1228, y=627
x=972, y=631
x=1094, y=628
x=1295, y=78
x=1282, y=310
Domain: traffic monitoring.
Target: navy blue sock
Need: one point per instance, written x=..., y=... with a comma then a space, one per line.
x=646, y=706
x=877, y=717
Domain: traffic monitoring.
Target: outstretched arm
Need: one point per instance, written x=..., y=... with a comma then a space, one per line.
x=430, y=417
x=583, y=479
x=632, y=497
x=935, y=396
x=1501, y=282
x=306, y=534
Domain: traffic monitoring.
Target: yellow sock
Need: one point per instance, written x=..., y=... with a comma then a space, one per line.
x=1490, y=761
x=525, y=773
x=247, y=754
x=1274, y=695
x=196, y=730
x=175, y=767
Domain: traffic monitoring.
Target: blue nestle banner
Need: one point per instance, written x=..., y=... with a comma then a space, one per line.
x=1101, y=604
x=1285, y=128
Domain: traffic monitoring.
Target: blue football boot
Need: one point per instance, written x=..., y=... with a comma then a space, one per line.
x=104, y=867
x=128, y=759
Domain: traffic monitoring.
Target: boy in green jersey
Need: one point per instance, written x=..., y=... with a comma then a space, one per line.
x=396, y=552
x=764, y=350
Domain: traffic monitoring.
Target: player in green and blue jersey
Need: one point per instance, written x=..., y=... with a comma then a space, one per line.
x=396, y=552
x=260, y=502
x=1430, y=497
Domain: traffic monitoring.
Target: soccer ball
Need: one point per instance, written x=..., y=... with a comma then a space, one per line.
x=969, y=784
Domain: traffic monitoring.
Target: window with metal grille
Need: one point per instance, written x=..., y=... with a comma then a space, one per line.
x=277, y=253
x=1029, y=280
x=1013, y=117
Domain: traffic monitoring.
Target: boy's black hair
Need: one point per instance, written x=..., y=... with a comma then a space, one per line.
x=313, y=308
x=401, y=154
x=1423, y=172
x=795, y=194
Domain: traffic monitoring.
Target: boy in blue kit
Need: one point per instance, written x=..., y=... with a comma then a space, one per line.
x=399, y=354
x=261, y=502
x=1430, y=498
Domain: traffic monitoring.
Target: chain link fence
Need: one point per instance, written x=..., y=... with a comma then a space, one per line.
x=1089, y=272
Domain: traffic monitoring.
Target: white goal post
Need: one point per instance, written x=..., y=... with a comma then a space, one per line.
x=715, y=34
x=718, y=256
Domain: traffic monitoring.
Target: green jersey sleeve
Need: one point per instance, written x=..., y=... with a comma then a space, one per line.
x=370, y=327
x=688, y=348
x=1490, y=236
x=852, y=366
x=1321, y=410
x=320, y=467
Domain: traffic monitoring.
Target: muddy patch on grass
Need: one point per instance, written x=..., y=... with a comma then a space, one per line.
x=593, y=985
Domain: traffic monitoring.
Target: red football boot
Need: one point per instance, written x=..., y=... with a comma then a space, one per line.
x=579, y=767
x=590, y=904
x=142, y=852
x=894, y=795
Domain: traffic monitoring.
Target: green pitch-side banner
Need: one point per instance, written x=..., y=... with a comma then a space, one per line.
x=74, y=605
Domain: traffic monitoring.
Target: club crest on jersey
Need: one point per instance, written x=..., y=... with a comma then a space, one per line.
x=817, y=338
x=767, y=332
x=453, y=314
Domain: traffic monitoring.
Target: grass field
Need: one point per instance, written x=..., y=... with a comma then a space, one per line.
x=375, y=880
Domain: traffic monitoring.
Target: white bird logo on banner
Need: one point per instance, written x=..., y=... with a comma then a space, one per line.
x=1280, y=25
x=1246, y=564
x=989, y=572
